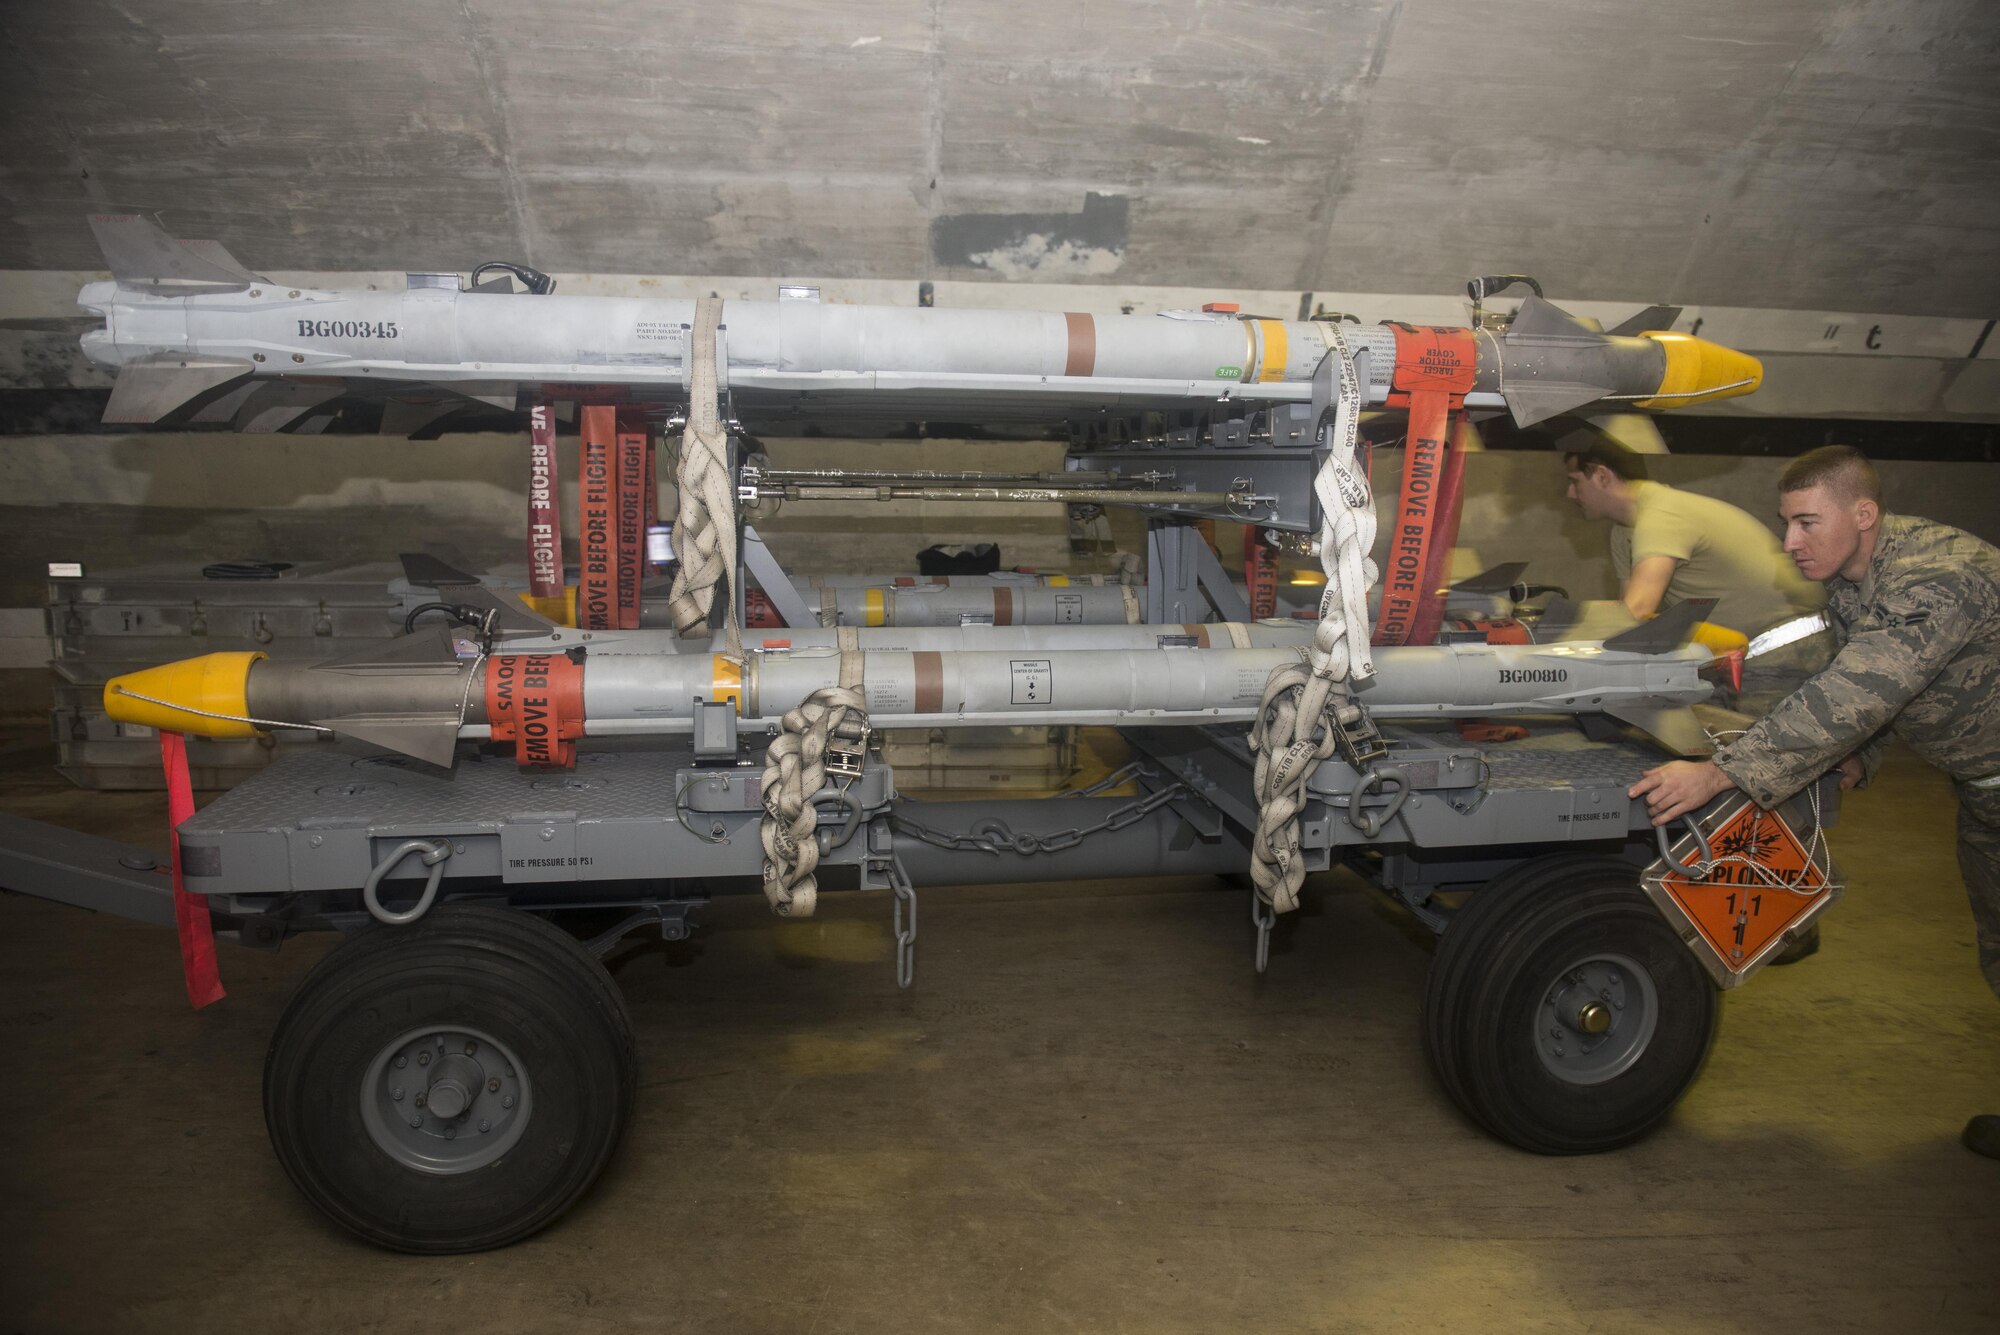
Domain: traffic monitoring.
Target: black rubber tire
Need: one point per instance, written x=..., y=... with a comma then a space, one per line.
x=536, y=991
x=1487, y=982
x=1442, y=987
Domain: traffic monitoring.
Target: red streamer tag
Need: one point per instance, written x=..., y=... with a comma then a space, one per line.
x=1409, y=563
x=204, y=981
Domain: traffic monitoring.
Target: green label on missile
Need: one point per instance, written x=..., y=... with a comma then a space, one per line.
x=1228, y=373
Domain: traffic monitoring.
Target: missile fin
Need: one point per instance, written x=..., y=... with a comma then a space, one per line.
x=407, y=416
x=1653, y=317
x=1675, y=727
x=213, y=252
x=225, y=407
x=501, y=394
x=1665, y=632
x=1534, y=403
x=428, y=571
x=152, y=387
x=431, y=738
x=1499, y=579
x=1558, y=615
x=141, y=253
x=280, y=404
x=1542, y=320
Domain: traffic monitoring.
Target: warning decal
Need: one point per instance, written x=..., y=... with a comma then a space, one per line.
x=1760, y=881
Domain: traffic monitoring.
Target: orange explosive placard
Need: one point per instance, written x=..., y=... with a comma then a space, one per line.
x=1760, y=882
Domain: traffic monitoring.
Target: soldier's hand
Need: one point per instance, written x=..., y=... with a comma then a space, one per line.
x=1678, y=787
x=1852, y=773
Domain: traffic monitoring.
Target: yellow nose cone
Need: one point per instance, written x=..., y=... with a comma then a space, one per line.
x=1699, y=371
x=166, y=697
x=1718, y=639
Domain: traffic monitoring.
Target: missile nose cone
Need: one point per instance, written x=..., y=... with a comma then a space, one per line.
x=164, y=697
x=1698, y=371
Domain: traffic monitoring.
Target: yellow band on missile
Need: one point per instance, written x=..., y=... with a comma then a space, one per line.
x=874, y=615
x=1699, y=371
x=214, y=684
x=1057, y=581
x=1277, y=351
x=725, y=681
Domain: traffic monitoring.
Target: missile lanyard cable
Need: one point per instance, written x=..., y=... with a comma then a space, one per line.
x=1307, y=706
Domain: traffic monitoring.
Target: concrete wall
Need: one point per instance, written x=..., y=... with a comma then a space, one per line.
x=1793, y=154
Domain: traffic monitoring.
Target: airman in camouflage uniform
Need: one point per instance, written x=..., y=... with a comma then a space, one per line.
x=1915, y=607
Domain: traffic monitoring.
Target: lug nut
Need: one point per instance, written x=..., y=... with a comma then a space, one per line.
x=451, y=1133
x=416, y=1123
x=401, y=1062
x=396, y=1093
x=423, y=1059
x=419, y=1100
x=507, y=1102
x=485, y=1125
x=470, y=1047
x=493, y=1085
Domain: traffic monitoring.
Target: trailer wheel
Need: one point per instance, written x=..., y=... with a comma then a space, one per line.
x=453, y=1085
x=1561, y=1013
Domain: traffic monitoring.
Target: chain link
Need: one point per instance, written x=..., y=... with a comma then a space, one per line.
x=993, y=836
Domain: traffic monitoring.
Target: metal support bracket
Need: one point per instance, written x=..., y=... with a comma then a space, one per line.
x=763, y=567
x=674, y=916
x=1180, y=569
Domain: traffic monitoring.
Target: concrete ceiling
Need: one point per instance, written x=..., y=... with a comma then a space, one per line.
x=1801, y=154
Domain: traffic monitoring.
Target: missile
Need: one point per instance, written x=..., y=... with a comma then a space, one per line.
x=184, y=323
x=419, y=697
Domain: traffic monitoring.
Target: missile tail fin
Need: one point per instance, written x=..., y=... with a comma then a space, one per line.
x=1675, y=727
x=431, y=738
x=1559, y=614
x=455, y=585
x=215, y=254
x=1665, y=632
x=1541, y=320
x=1653, y=317
x=1498, y=579
x=141, y=253
x=152, y=387
x=1532, y=403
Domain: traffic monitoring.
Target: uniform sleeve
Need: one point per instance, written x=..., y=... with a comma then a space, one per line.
x=1664, y=529
x=1845, y=707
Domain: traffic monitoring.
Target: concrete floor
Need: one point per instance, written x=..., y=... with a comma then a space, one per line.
x=1090, y=1115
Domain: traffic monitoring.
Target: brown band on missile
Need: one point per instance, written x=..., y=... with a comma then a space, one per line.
x=1003, y=607
x=1082, y=358
x=940, y=580
x=1199, y=632
x=930, y=682
x=906, y=581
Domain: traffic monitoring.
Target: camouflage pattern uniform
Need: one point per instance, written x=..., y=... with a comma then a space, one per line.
x=1919, y=655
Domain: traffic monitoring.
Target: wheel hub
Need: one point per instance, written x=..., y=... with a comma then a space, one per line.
x=1597, y=1019
x=445, y=1100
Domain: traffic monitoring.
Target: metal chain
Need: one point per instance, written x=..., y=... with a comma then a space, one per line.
x=993, y=836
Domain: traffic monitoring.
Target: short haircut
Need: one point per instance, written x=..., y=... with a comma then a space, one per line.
x=1841, y=469
x=1623, y=461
